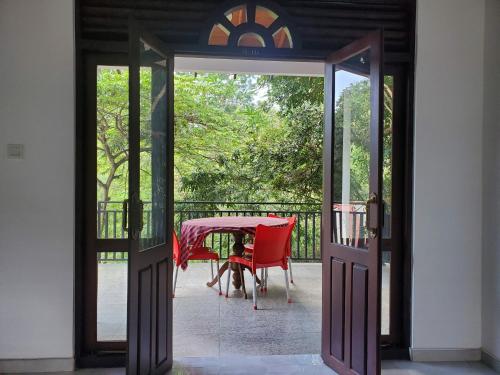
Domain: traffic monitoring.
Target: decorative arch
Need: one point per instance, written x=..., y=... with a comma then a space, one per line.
x=250, y=24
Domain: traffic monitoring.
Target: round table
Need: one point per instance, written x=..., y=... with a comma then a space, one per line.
x=194, y=232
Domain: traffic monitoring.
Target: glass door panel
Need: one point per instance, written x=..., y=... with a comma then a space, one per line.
x=153, y=147
x=387, y=180
x=106, y=188
x=351, y=145
x=112, y=279
x=112, y=150
x=112, y=177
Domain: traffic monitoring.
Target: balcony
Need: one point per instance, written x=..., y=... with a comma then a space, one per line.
x=205, y=323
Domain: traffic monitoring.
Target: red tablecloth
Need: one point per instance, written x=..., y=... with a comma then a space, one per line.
x=194, y=232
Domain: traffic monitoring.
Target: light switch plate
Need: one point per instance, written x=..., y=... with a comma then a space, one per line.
x=15, y=151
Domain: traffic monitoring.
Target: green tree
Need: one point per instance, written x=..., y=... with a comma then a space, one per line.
x=216, y=120
x=230, y=145
x=300, y=103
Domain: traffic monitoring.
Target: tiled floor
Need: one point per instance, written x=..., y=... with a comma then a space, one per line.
x=215, y=335
x=208, y=325
x=295, y=364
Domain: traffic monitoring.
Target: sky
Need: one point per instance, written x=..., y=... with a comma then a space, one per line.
x=343, y=80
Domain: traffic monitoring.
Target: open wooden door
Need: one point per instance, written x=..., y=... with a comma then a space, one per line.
x=352, y=212
x=150, y=205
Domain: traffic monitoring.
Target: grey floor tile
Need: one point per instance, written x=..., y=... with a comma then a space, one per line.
x=435, y=368
x=293, y=365
x=201, y=314
x=270, y=343
x=196, y=345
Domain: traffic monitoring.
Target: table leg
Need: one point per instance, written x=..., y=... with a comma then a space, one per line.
x=238, y=249
x=242, y=278
x=222, y=269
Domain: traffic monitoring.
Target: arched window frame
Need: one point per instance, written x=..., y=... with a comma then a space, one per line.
x=250, y=26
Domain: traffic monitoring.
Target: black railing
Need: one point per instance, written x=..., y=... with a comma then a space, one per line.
x=306, y=244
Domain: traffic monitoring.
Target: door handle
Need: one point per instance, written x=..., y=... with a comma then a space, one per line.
x=124, y=215
x=373, y=199
x=136, y=208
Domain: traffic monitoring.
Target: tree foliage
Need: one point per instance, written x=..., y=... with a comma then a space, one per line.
x=243, y=138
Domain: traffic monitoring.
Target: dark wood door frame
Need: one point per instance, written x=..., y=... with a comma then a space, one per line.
x=396, y=245
x=89, y=54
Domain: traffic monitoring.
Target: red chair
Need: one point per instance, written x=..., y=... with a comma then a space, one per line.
x=249, y=249
x=198, y=253
x=269, y=250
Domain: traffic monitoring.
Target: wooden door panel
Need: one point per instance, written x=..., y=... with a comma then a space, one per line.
x=144, y=320
x=351, y=230
x=359, y=317
x=338, y=283
x=162, y=327
x=151, y=183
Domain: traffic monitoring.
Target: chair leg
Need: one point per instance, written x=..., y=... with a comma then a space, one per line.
x=254, y=291
x=287, y=287
x=212, y=268
x=228, y=279
x=262, y=280
x=290, y=266
x=266, y=272
x=242, y=278
x=175, y=280
x=218, y=277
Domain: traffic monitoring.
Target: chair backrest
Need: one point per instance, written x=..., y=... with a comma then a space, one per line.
x=176, y=248
x=270, y=245
x=291, y=225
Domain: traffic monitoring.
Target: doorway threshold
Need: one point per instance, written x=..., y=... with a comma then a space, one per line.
x=253, y=364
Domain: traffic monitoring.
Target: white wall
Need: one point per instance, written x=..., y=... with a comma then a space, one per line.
x=491, y=183
x=37, y=194
x=448, y=175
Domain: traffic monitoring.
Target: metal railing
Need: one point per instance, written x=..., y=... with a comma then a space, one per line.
x=306, y=237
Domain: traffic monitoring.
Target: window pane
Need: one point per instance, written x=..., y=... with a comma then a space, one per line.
x=111, y=296
x=112, y=149
x=237, y=15
x=153, y=147
x=387, y=197
x=387, y=156
x=351, y=150
x=251, y=40
x=264, y=16
x=282, y=38
x=219, y=36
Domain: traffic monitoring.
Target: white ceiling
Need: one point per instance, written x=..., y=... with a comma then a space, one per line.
x=290, y=68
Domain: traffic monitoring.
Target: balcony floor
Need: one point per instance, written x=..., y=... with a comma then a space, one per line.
x=209, y=325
